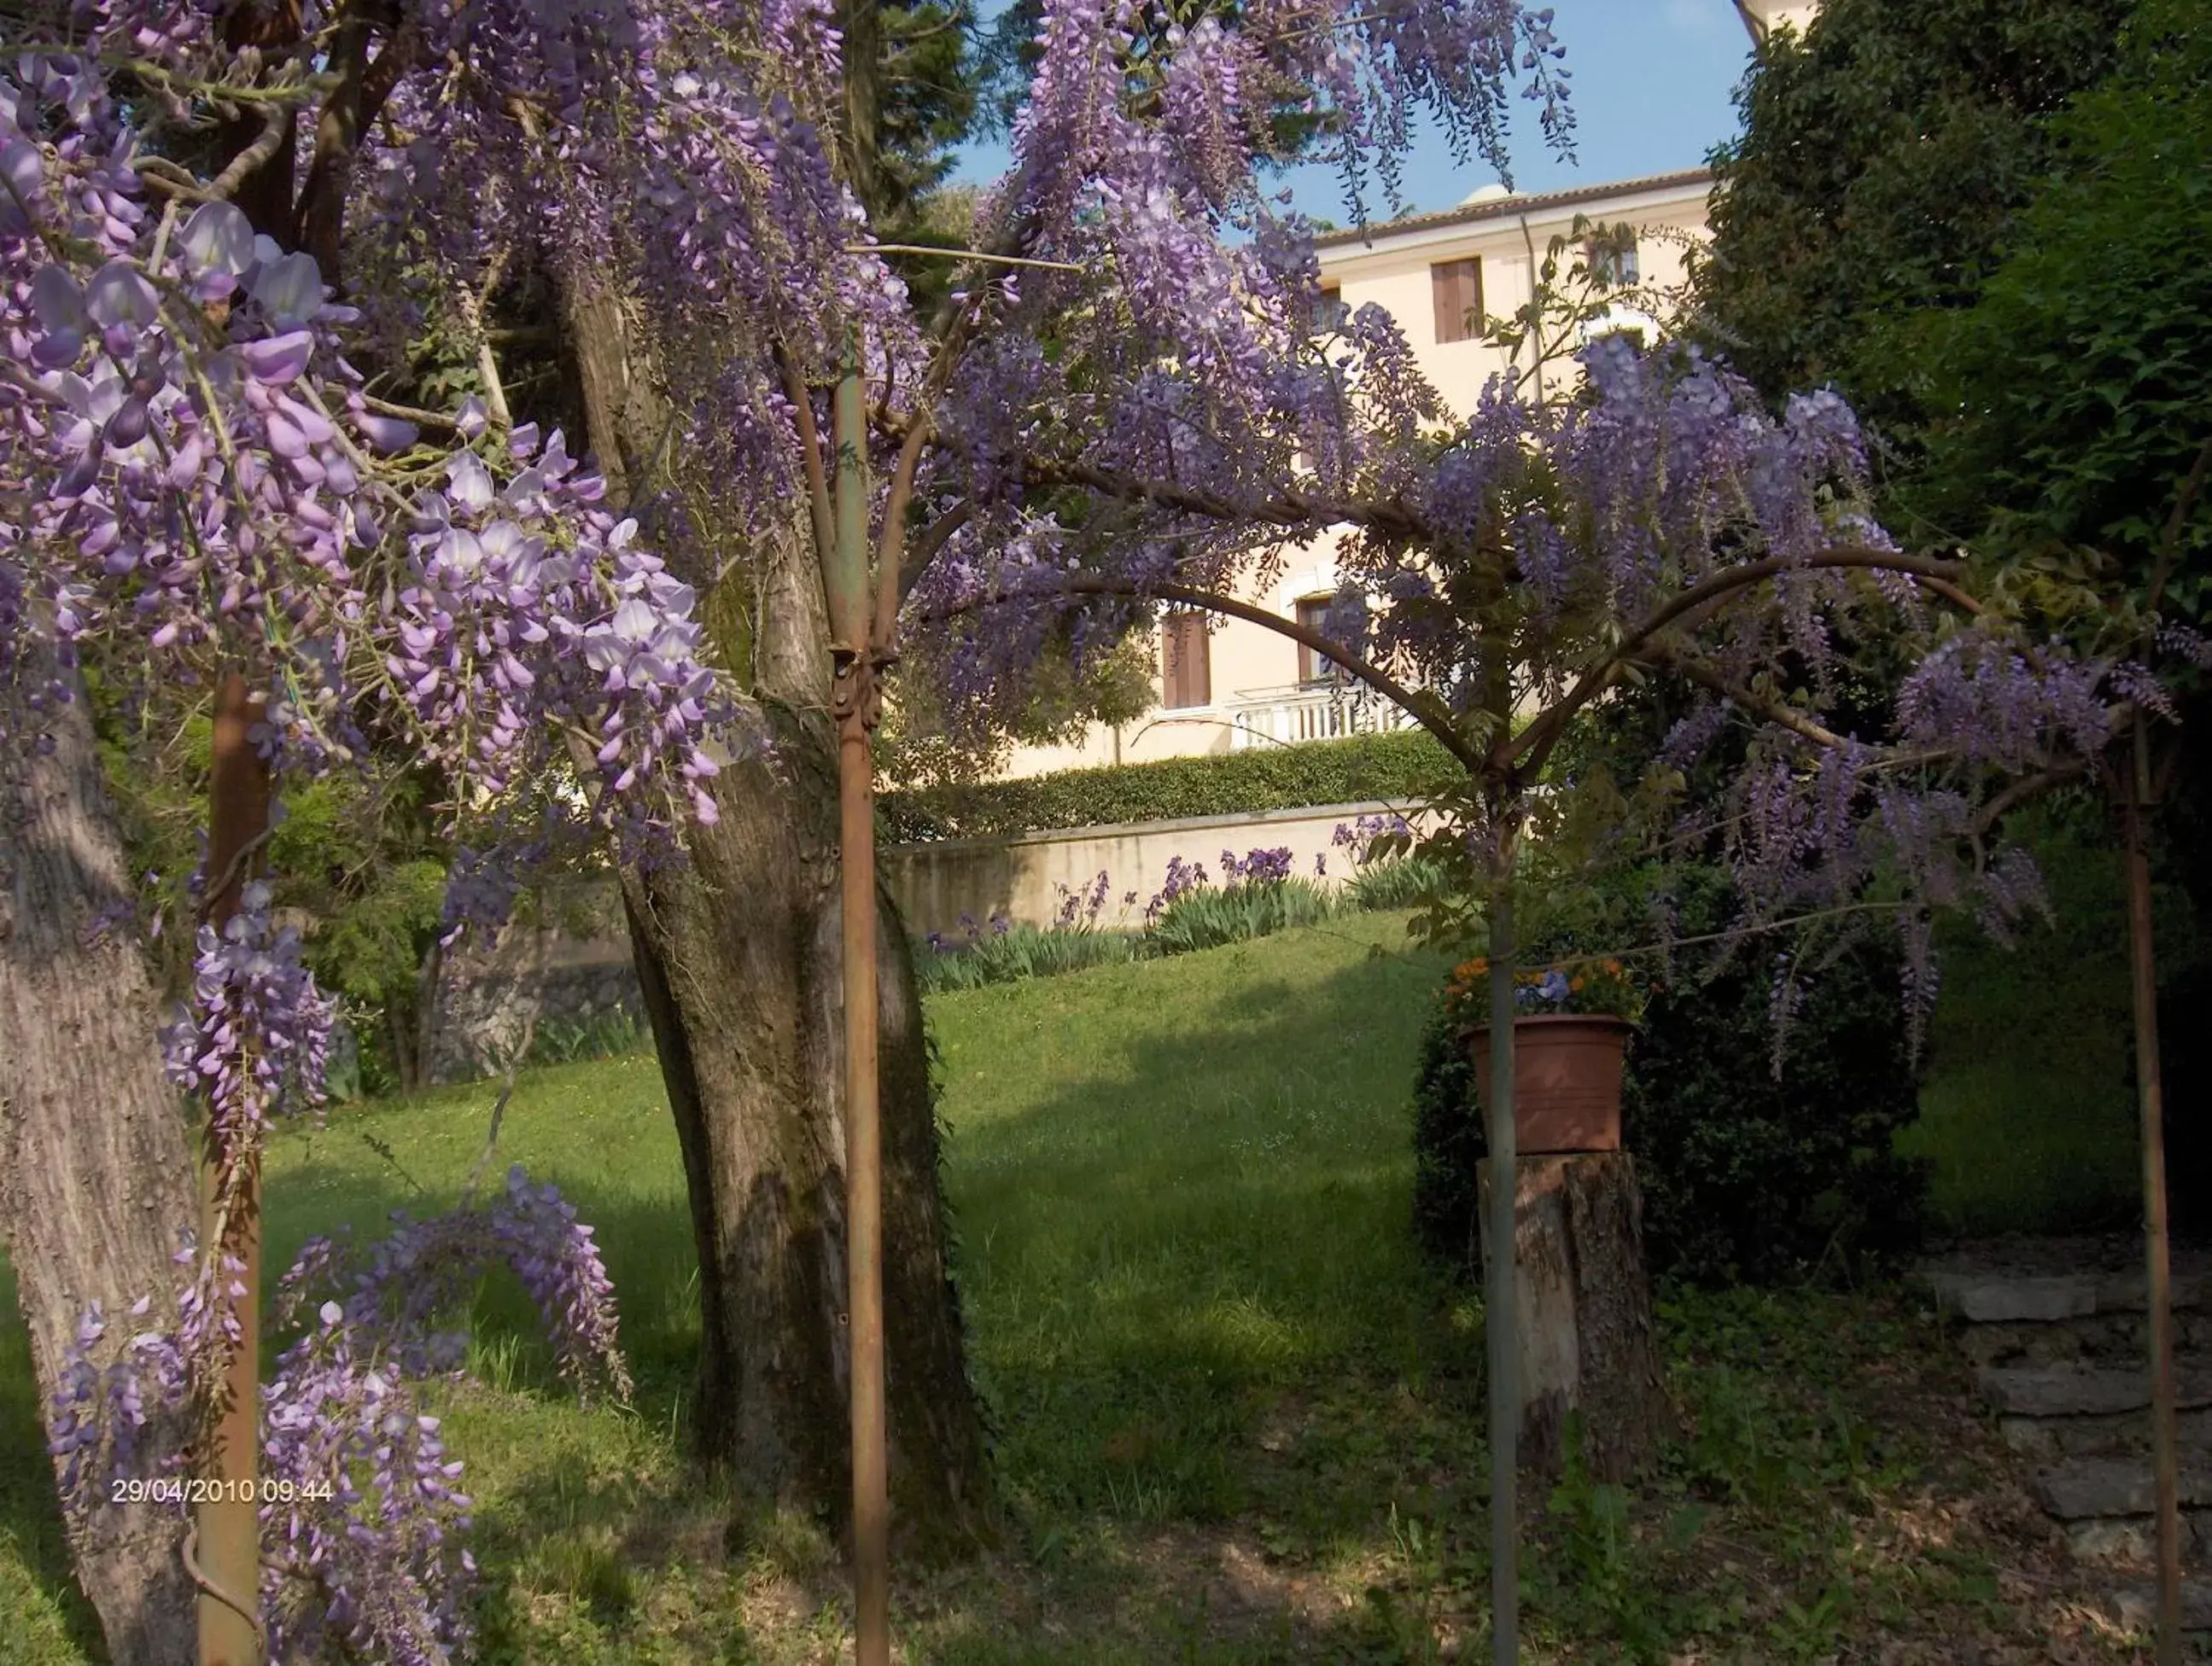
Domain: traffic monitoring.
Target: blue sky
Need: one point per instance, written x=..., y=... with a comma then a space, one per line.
x=1652, y=79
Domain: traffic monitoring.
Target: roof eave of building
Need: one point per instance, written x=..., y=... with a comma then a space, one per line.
x=1420, y=228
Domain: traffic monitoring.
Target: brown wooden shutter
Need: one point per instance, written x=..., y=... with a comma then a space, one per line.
x=1186, y=675
x=1456, y=286
x=1313, y=666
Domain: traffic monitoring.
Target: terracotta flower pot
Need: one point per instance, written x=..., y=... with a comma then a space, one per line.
x=1567, y=1080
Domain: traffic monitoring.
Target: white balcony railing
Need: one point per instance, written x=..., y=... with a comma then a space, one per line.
x=1310, y=711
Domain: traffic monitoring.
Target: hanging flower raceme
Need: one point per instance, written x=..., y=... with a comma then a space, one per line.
x=256, y=1036
x=363, y=1521
x=252, y=1044
x=194, y=469
x=526, y=606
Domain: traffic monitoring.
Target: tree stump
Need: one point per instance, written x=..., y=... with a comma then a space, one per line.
x=1584, y=1313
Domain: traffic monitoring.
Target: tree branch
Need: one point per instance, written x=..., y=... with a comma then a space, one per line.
x=1537, y=741
x=1781, y=713
x=960, y=254
x=275, y=127
x=809, y=447
x=2169, y=544
x=2019, y=791
x=922, y=551
x=442, y=421
x=1284, y=509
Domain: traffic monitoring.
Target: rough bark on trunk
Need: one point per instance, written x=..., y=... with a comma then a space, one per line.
x=737, y=953
x=738, y=958
x=1583, y=1314
x=96, y=1168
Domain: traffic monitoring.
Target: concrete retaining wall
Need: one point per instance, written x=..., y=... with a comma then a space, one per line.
x=571, y=966
x=939, y=881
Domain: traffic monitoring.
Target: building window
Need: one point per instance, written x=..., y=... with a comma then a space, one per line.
x=1329, y=314
x=1186, y=675
x=1315, y=666
x=1457, y=287
x=1613, y=262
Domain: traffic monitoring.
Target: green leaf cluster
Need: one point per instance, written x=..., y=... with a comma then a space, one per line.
x=355, y=860
x=1884, y=158
x=2068, y=404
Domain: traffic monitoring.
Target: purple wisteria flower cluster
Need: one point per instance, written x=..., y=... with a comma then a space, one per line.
x=256, y=1035
x=191, y=467
x=194, y=474
x=363, y=1525
x=253, y=1042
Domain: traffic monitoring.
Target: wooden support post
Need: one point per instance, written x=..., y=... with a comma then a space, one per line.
x=2166, y=1463
x=857, y=700
x=229, y=1529
x=1500, y=1324
x=1582, y=1307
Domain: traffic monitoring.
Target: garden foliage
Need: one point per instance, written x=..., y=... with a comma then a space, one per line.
x=1884, y=155
x=1400, y=767
x=1749, y=1172
x=1258, y=896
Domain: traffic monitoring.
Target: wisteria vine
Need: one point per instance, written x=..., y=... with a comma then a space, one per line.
x=363, y=1523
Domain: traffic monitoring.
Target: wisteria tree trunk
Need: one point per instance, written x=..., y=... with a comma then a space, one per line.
x=95, y=1169
x=738, y=954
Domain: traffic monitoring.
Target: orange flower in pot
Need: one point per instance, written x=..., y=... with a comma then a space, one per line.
x=1569, y=1040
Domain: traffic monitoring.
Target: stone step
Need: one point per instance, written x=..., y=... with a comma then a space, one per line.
x=2116, y=1340
x=2135, y=1608
x=2082, y=1410
x=2082, y=1488
x=2000, y=1298
x=2090, y=1391
x=2049, y=1439
x=2106, y=1506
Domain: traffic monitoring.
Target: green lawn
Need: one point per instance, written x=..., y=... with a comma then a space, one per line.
x=1236, y=1420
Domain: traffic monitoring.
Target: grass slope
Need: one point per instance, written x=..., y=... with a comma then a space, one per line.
x=1236, y=1421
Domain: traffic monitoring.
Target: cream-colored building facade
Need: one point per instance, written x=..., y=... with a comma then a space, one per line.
x=1225, y=684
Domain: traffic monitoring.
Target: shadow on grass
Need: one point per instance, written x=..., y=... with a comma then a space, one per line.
x=1238, y=1420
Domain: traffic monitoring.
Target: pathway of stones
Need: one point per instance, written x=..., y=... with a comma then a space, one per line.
x=2056, y=1329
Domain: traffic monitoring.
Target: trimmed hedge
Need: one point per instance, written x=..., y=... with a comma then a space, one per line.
x=1400, y=767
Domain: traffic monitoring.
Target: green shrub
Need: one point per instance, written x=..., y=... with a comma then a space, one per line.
x=2184, y=1046
x=1020, y=951
x=1207, y=917
x=1403, y=767
x=1746, y=1175
x=1404, y=882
